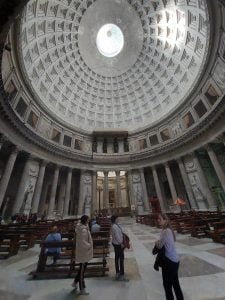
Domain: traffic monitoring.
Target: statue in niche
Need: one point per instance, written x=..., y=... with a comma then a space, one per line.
x=115, y=145
x=138, y=195
x=177, y=129
x=26, y=207
x=87, y=178
x=105, y=145
x=136, y=177
x=94, y=145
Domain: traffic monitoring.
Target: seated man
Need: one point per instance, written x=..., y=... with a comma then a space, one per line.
x=95, y=227
x=54, y=236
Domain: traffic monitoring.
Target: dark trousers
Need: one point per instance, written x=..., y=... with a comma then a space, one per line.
x=80, y=276
x=170, y=279
x=55, y=255
x=119, y=259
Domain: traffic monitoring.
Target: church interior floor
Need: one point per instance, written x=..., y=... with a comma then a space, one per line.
x=202, y=272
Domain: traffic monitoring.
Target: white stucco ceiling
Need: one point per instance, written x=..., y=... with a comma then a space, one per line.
x=165, y=48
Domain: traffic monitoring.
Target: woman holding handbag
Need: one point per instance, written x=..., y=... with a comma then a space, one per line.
x=170, y=261
x=117, y=242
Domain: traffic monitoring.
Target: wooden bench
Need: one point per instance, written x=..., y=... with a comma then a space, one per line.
x=217, y=231
x=9, y=245
x=66, y=266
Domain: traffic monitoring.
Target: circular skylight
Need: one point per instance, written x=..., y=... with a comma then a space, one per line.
x=162, y=46
x=110, y=40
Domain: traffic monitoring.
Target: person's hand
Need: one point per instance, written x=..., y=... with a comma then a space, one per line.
x=157, y=244
x=122, y=246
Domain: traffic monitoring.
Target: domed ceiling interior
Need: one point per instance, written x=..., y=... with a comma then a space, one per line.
x=156, y=53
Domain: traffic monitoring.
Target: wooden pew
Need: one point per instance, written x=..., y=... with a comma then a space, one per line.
x=9, y=245
x=66, y=266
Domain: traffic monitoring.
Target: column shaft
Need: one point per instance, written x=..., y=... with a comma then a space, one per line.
x=21, y=190
x=217, y=166
x=68, y=190
x=145, y=194
x=38, y=188
x=51, y=205
x=187, y=184
x=118, y=190
x=206, y=190
x=171, y=182
x=106, y=191
x=7, y=174
x=41, y=207
x=62, y=191
x=158, y=189
x=94, y=191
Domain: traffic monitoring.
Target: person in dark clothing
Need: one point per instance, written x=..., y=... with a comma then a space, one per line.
x=170, y=262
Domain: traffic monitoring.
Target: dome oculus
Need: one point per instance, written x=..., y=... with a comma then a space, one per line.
x=109, y=40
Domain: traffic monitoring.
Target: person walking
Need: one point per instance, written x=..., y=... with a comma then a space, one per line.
x=170, y=262
x=117, y=242
x=84, y=252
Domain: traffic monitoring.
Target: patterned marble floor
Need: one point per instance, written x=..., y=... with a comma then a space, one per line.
x=202, y=272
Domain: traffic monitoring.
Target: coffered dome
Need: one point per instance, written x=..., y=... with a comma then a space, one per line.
x=164, y=50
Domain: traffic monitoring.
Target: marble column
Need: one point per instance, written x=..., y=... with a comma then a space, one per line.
x=219, y=171
x=38, y=187
x=68, y=191
x=41, y=208
x=51, y=205
x=106, y=190
x=187, y=184
x=2, y=140
x=81, y=195
x=210, y=202
x=61, y=201
x=94, y=191
x=131, y=190
x=158, y=189
x=171, y=182
x=118, y=190
x=22, y=185
x=145, y=194
x=7, y=174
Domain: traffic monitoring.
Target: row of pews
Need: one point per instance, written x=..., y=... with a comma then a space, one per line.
x=23, y=236
x=198, y=224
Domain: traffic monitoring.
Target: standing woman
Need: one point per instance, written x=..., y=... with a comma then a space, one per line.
x=84, y=252
x=117, y=242
x=170, y=262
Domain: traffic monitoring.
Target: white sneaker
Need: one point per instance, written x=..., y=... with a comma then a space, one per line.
x=74, y=285
x=83, y=292
x=123, y=278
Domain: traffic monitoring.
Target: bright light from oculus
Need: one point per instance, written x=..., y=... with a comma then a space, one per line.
x=110, y=40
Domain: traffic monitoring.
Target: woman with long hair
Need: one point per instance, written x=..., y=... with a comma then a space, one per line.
x=170, y=262
x=84, y=252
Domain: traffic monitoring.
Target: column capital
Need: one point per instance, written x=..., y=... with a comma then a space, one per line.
x=43, y=163
x=117, y=173
x=3, y=139
x=106, y=173
x=208, y=147
x=15, y=150
x=166, y=164
x=180, y=160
